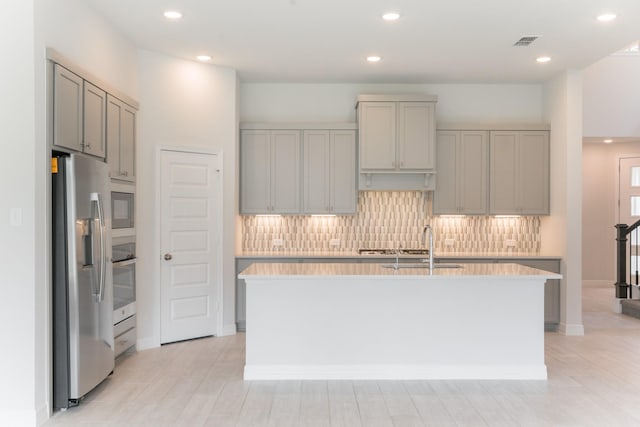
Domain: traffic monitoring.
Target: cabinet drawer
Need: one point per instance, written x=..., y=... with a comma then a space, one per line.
x=124, y=335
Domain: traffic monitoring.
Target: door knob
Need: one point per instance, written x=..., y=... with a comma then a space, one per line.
x=167, y=257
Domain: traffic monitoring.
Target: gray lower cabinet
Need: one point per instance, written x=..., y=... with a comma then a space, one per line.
x=551, y=289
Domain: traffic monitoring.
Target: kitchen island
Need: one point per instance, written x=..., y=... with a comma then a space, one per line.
x=365, y=321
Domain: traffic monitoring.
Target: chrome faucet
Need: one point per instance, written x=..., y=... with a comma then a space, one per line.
x=424, y=238
x=397, y=265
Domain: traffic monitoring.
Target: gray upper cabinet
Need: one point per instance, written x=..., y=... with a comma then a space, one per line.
x=95, y=115
x=67, y=109
x=329, y=177
x=396, y=136
x=270, y=172
x=416, y=148
x=121, y=138
x=377, y=126
x=397, y=144
x=463, y=173
x=79, y=113
x=519, y=173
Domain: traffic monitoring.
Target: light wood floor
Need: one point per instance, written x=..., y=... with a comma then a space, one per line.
x=593, y=381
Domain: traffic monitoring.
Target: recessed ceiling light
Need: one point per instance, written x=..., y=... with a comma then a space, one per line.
x=172, y=14
x=543, y=59
x=391, y=16
x=373, y=58
x=608, y=141
x=203, y=58
x=606, y=17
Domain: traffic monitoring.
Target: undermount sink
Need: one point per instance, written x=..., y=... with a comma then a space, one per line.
x=420, y=265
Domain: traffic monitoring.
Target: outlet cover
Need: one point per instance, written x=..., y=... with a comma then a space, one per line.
x=449, y=242
x=510, y=243
x=277, y=242
x=334, y=242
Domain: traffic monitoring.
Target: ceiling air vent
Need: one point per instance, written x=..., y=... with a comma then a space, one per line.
x=525, y=40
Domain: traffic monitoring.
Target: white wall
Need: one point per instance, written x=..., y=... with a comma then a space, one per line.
x=190, y=105
x=78, y=33
x=599, y=208
x=612, y=97
x=561, y=230
x=273, y=102
x=81, y=35
x=20, y=399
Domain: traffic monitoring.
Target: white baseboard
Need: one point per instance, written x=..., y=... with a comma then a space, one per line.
x=146, y=344
x=228, y=329
x=617, y=306
x=43, y=414
x=395, y=372
x=573, y=330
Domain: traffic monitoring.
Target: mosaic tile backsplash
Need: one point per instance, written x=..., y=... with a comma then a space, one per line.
x=391, y=219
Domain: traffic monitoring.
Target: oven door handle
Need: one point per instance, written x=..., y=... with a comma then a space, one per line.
x=124, y=262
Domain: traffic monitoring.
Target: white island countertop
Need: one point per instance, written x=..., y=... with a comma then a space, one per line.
x=355, y=255
x=364, y=321
x=377, y=271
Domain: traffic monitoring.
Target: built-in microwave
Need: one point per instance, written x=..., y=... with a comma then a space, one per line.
x=122, y=209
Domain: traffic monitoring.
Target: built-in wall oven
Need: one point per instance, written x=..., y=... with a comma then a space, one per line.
x=124, y=293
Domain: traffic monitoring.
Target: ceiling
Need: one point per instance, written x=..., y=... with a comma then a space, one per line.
x=454, y=41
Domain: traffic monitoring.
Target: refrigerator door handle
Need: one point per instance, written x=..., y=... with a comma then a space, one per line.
x=95, y=197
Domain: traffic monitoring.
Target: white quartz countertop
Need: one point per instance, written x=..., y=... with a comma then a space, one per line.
x=442, y=256
x=377, y=271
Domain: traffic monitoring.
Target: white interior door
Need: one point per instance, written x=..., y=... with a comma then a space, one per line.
x=190, y=227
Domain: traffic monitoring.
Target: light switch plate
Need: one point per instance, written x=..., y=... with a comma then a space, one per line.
x=277, y=242
x=334, y=242
x=449, y=242
x=510, y=243
x=15, y=217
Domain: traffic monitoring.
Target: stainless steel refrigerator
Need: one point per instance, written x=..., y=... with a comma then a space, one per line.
x=82, y=292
